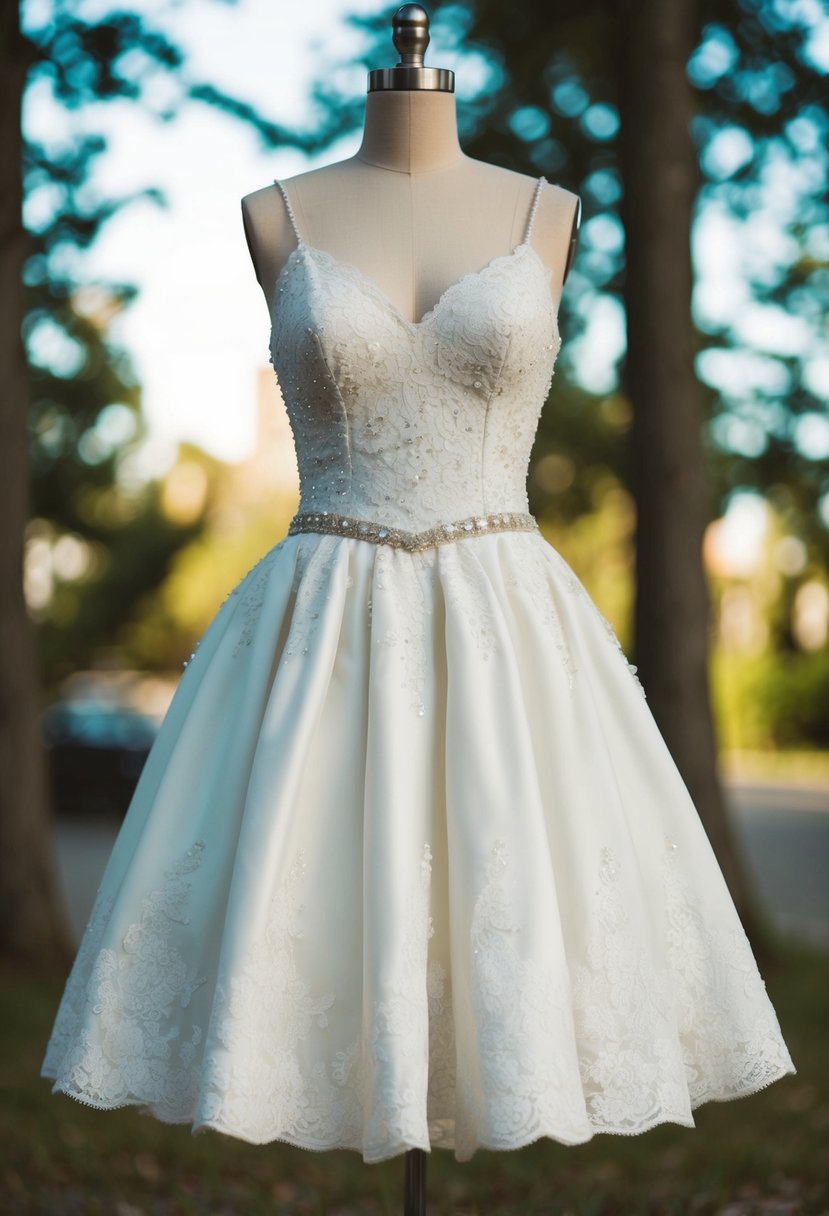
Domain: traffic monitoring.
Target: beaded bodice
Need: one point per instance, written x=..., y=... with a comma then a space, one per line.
x=413, y=424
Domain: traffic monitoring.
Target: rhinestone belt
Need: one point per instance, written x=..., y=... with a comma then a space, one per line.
x=384, y=534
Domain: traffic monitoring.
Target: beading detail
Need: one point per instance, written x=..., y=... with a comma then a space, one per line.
x=384, y=534
x=533, y=209
x=289, y=210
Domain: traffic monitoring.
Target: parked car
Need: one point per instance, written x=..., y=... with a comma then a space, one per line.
x=96, y=753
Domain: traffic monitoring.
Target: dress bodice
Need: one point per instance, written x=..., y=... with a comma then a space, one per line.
x=413, y=423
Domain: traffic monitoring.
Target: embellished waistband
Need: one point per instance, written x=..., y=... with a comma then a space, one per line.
x=384, y=534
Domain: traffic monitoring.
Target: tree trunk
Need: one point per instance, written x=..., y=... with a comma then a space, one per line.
x=672, y=606
x=33, y=923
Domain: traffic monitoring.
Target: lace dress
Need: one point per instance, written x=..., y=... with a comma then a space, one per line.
x=409, y=864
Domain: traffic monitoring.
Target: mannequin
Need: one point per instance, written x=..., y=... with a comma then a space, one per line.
x=410, y=209
x=414, y=214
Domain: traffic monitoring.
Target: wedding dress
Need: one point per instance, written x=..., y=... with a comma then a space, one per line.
x=410, y=864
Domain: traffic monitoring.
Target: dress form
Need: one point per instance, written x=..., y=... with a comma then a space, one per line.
x=410, y=209
x=414, y=214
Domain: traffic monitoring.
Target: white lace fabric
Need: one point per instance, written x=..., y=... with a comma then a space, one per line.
x=413, y=423
x=409, y=864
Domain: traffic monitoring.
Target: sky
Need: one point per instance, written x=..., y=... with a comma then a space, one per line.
x=199, y=329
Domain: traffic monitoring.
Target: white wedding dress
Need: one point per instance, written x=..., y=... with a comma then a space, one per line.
x=410, y=864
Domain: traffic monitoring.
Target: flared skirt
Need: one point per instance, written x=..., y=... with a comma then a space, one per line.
x=410, y=865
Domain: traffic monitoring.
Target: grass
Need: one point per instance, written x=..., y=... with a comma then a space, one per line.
x=763, y=1155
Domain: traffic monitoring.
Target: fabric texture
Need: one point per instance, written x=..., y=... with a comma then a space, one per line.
x=410, y=864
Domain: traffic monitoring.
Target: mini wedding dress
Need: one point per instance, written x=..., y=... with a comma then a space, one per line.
x=410, y=864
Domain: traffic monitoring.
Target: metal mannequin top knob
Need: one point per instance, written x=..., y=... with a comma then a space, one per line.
x=410, y=34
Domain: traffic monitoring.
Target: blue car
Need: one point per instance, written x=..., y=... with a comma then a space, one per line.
x=96, y=753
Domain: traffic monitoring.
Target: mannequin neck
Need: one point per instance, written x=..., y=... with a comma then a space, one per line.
x=410, y=131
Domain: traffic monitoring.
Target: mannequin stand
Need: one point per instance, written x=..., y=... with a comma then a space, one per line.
x=414, y=1199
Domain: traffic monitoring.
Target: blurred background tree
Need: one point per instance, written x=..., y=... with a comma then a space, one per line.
x=726, y=110
x=69, y=420
x=96, y=543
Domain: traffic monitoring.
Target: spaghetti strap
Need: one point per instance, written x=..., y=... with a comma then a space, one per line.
x=290, y=211
x=533, y=209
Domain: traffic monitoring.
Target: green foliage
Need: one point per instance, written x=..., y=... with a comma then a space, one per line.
x=85, y=418
x=599, y=547
x=771, y=700
x=792, y=698
x=88, y=618
x=167, y=625
x=579, y=449
x=84, y=413
x=85, y=424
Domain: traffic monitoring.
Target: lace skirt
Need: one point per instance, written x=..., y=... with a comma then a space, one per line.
x=410, y=865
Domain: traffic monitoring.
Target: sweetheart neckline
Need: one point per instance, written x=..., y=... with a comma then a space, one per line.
x=376, y=290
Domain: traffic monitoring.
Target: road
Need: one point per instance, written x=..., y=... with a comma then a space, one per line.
x=782, y=829
x=784, y=833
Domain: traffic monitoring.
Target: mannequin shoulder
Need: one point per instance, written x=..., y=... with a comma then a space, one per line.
x=262, y=201
x=265, y=220
x=559, y=206
x=300, y=185
x=264, y=215
x=311, y=193
x=268, y=230
x=555, y=227
x=555, y=204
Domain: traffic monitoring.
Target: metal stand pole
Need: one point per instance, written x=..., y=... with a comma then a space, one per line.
x=414, y=1199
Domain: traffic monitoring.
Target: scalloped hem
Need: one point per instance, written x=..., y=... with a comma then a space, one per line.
x=441, y=1130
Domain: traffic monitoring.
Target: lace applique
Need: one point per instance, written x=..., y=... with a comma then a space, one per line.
x=400, y=1030
x=442, y=1065
x=617, y=1042
x=260, y=1086
x=309, y=593
x=410, y=426
x=656, y=1040
x=251, y=591
x=110, y=1046
x=74, y=999
x=466, y=594
x=731, y=1038
x=543, y=597
x=574, y=583
x=529, y=1086
x=410, y=1015
x=407, y=600
x=631, y=1068
x=413, y=1022
x=611, y=633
